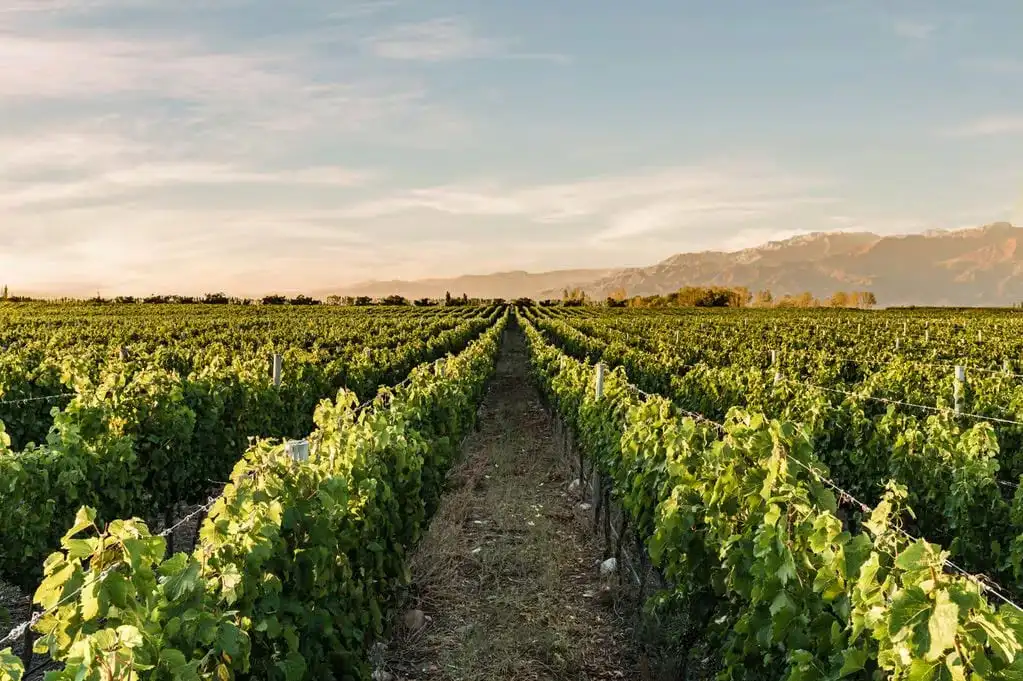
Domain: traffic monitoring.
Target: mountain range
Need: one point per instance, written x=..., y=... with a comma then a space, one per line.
x=971, y=267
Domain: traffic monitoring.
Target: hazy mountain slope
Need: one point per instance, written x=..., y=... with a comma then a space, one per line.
x=500, y=285
x=982, y=266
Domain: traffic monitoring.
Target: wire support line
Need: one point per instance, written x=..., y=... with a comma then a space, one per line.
x=197, y=512
x=691, y=414
x=886, y=400
x=982, y=580
x=930, y=365
x=45, y=398
x=967, y=367
x=20, y=630
x=391, y=389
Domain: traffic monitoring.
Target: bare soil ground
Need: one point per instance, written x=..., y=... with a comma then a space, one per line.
x=508, y=575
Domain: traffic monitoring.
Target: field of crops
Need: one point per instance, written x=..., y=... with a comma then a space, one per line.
x=136, y=412
x=826, y=494
x=830, y=495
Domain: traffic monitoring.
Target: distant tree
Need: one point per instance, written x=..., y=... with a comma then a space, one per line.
x=274, y=299
x=125, y=300
x=5, y=296
x=740, y=296
x=303, y=300
x=394, y=300
x=806, y=299
x=573, y=297
x=839, y=299
x=706, y=296
x=447, y=299
x=215, y=299
x=424, y=302
x=362, y=301
x=868, y=299
x=619, y=295
x=763, y=299
x=525, y=302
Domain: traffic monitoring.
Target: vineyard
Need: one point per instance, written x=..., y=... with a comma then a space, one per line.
x=820, y=494
x=118, y=417
x=831, y=495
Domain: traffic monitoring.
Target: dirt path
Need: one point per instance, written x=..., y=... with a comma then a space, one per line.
x=508, y=575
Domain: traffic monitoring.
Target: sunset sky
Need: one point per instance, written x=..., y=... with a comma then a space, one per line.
x=260, y=145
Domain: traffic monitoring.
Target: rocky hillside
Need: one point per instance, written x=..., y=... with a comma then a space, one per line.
x=981, y=266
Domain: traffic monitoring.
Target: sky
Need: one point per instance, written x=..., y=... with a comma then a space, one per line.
x=252, y=146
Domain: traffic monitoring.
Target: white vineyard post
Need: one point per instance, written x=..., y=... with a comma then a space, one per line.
x=774, y=363
x=1005, y=366
x=278, y=366
x=598, y=475
x=124, y=353
x=298, y=450
x=927, y=335
x=905, y=326
x=960, y=379
x=897, y=342
x=980, y=335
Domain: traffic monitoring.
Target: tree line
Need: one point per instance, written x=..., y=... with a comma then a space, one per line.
x=729, y=296
x=271, y=299
x=689, y=296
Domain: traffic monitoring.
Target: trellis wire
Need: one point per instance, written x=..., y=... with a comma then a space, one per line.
x=26, y=400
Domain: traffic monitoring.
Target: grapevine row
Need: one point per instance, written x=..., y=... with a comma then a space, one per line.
x=296, y=563
x=142, y=440
x=762, y=562
x=955, y=471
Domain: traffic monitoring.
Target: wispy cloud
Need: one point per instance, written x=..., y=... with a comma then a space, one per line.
x=987, y=126
x=279, y=88
x=701, y=213
x=14, y=7
x=435, y=40
x=72, y=65
x=913, y=29
x=124, y=181
x=446, y=39
x=1000, y=65
x=627, y=206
